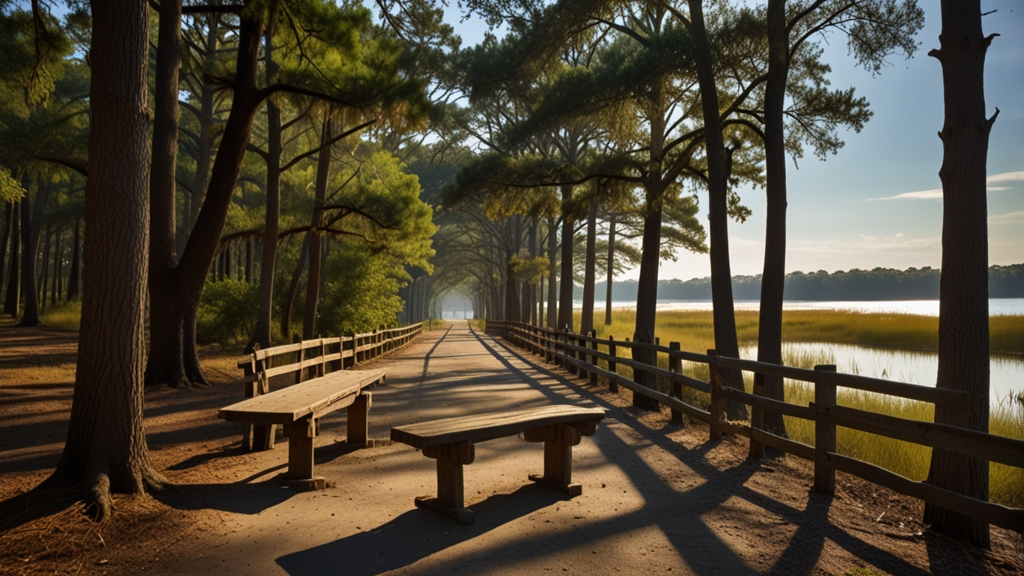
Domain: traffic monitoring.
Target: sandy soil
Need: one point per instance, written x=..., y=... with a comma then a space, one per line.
x=657, y=498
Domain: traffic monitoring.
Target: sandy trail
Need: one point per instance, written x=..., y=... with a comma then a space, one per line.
x=657, y=498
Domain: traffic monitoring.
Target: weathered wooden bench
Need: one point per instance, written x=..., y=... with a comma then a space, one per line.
x=451, y=442
x=298, y=409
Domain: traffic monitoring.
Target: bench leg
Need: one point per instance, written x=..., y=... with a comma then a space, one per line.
x=450, y=499
x=263, y=436
x=300, y=455
x=358, y=419
x=558, y=442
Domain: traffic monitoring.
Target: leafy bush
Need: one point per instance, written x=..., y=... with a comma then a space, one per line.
x=227, y=311
x=361, y=293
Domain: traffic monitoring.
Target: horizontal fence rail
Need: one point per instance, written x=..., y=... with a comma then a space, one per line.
x=580, y=354
x=311, y=359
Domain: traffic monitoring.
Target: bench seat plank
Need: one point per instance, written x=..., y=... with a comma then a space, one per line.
x=335, y=390
x=483, y=427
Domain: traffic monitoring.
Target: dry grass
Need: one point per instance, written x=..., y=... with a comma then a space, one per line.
x=695, y=332
x=694, y=329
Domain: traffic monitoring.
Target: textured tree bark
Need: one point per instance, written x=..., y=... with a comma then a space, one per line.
x=963, y=306
x=647, y=301
x=323, y=170
x=293, y=289
x=271, y=227
x=512, y=308
x=106, y=447
x=58, y=268
x=610, y=276
x=29, y=261
x=5, y=242
x=552, y=319
x=165, y=325
x=13, y=295
x=44, y=268
x=73, y=275
x=773, y=277
x=726, y=343
x=175, y=306
x=565, y=320
x=590, y=272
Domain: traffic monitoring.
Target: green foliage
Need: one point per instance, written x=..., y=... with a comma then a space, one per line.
x=360, y=293
x=227, y=312
x=10, y=190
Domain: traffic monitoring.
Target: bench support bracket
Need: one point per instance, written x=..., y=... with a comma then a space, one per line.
x=301, y=434
x=450, y=499
x=558, y=441
x=358, y=419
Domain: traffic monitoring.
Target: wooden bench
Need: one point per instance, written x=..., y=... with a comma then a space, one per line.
x=451, y=442
x=298, y=409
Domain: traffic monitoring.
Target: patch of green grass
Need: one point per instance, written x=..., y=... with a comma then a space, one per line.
x=64, y=316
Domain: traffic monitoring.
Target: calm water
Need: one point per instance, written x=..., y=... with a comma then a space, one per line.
x=1007, y=373
x=996, y=306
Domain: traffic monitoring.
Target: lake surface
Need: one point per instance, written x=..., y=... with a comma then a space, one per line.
x=1006, y=372
x=996, y=306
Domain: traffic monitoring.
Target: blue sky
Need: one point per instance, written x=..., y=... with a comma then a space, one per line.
x=878, y=202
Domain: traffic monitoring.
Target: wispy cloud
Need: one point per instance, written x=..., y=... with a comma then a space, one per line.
x=1008, y=218
x=866, y=244
x=1012, y=178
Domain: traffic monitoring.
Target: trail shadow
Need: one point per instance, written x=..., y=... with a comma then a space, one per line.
x=426, y=358
x=238, y=497
x=415, y=535
x=813, y=526
x=40, y=502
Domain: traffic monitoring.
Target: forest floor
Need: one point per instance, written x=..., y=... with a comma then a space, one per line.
x=657, y=497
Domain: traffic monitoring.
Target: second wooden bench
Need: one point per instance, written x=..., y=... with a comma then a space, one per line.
x=451, y=442
x=299, y=409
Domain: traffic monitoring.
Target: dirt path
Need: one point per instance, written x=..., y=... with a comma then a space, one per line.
x=656, y=497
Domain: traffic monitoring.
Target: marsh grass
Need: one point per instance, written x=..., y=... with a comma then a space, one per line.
x=63, y=316
x=694, y=331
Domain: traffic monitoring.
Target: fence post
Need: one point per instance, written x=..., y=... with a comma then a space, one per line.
x=613, y=386
x=824, y=433
x=675, y=367
x=717, y=403
x=593, y=357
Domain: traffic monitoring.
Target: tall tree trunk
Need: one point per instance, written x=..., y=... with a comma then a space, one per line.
x=773, y=277
x=963, y=306
x=565, y=320
x=268, y=261
x=726, y=343
x=552, y=274
x=13, y=296
x=73, y=275
x=165, y=325
x=647, y=296
x=106, y=448
x=29, y=261
x=201, y=179
x=58, y=269
x=610, y=276
x=512, y=304
x=590, y=272
x=8, y=227
x=533, y=289
x=172, y=357
x=293, y=289
x=44, y=268
x=323, y=170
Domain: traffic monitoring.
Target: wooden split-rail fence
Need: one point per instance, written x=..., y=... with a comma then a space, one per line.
x=314, y=358
x=580, y=354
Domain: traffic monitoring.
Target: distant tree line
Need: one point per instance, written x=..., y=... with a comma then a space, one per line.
x=877, y=284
